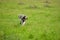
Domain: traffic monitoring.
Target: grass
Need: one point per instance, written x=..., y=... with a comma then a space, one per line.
x=43, y=22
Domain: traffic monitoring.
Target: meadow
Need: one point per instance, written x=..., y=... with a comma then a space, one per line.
x=43, y=20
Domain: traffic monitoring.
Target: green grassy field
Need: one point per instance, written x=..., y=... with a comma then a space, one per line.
x=43, y=21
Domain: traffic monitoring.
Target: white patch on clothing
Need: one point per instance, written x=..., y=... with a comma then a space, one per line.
x=23, y=23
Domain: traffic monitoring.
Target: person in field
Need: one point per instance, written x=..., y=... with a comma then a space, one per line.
x=23, y=19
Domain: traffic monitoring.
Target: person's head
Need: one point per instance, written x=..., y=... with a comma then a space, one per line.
x=25, y=17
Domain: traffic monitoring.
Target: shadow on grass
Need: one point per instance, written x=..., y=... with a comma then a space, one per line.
x=31, y=36
x=36, y=39
x=17, y=25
